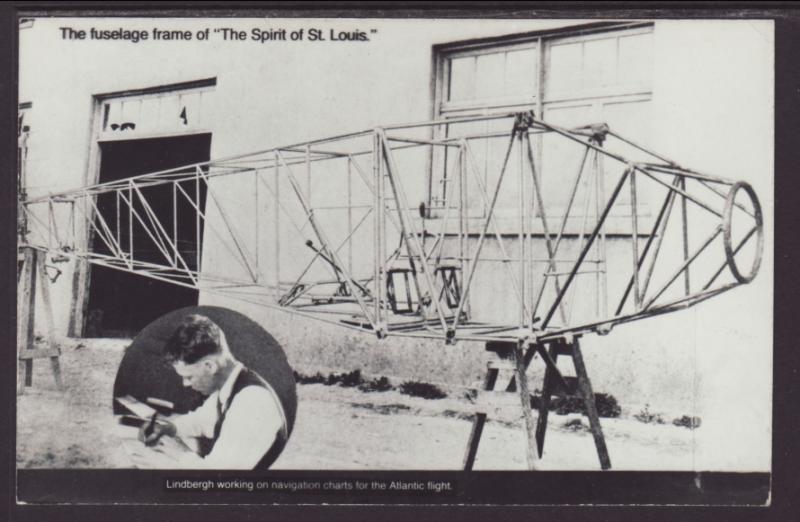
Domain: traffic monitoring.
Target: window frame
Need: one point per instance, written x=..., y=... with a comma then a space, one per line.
x=543, y=40
x=602, y=92
x=496, y=102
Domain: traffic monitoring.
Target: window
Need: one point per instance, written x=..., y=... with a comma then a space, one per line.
x=569, y=78
x=607, y=64
x=493, y=77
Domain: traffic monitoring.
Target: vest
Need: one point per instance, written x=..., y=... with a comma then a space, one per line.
x=246, y=378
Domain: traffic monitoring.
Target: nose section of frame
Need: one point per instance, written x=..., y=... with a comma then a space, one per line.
x=727, y=219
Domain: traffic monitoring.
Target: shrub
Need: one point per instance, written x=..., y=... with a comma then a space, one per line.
x=471, y=394
x=422, y=389
x=383, y=409
x=649, y=417
x=306, y=379
x=607, y=405
x=687, y=422
x=381, y=384
x=453, y=414
x=575, y=425
x=348, y=380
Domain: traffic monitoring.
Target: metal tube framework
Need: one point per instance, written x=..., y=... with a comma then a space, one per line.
x=441, y=254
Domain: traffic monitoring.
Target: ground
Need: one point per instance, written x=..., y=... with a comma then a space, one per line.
x=336, y=428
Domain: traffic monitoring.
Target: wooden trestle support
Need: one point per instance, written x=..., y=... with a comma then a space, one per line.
x=515, y=357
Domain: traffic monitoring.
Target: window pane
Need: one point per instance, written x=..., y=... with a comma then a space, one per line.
x=149, y=115
x=635, y=59
x=521, y=73
x=631, y=120
x=566, y=66
x=561, y=159
x=190, y=103
x=130, y=111
x=200, y=122
x=169, y=113
x=489, y=76
x=599, y=63
x=462, y=78
x=483, y=164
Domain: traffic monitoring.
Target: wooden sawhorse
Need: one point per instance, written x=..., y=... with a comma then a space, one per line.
x=33, y=270
x=513, y=356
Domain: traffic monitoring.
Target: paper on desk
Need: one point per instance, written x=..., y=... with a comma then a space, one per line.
x=168, y=453
x=135, y=406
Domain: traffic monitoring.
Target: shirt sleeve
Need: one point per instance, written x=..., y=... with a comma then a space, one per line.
x=199, y=422
x=251, y=425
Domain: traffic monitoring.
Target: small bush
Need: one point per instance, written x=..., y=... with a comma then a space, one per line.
x=318, y=378
x=453, y=414
x=607, y=405
x=649, y=417
x=687, y=422
x=422, y=389
x=575, y=425
x=381, y=384
x=471, y=395
x=567, y=405
x=383, y=409
x=348, y=380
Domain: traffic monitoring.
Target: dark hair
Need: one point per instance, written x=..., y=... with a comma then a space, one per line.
x=196, y=337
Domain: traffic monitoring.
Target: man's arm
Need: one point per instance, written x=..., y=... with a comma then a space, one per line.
x=199, y=422
x=251, y=425
x=196, y=423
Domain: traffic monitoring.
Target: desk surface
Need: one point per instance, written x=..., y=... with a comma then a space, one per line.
x=167, y=453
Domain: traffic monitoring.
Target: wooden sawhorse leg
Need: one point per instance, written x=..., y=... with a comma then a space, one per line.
x=26, y=299
x=509, y=356
x=489, y=381
x=544, y=403
x=584, y=388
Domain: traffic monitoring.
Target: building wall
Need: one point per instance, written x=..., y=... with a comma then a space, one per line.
x=711, y=110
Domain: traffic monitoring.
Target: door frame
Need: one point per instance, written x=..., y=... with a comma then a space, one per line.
x=81, y=277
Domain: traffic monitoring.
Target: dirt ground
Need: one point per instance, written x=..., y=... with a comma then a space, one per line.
x=336, y=428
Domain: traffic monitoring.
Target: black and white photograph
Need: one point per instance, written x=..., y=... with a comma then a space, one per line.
x=278, y=246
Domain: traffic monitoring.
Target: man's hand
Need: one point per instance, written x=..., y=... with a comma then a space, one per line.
x=150, y=432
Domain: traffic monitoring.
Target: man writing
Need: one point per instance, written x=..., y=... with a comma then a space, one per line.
x=241, y=424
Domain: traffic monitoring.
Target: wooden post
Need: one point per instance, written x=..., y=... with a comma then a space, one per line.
x=47, y=304
x=25, y=305
x=33, y=268
x=525, y=400
x=585, y=388
x=544, y=403
x=489, y=381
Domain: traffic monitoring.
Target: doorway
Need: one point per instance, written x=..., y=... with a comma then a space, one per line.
x=119, y=303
